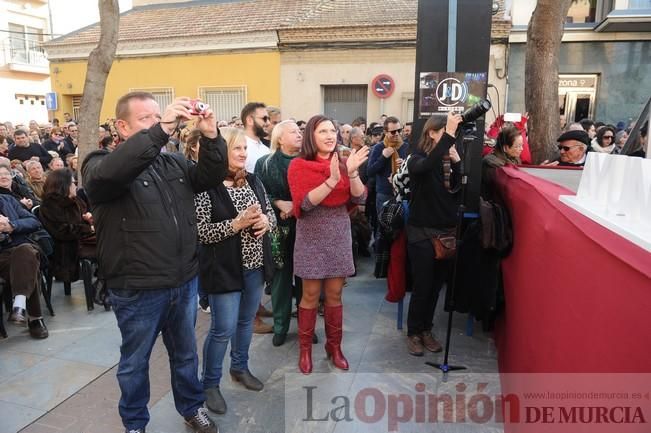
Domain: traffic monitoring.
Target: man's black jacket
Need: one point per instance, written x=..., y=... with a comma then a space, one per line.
x=143, y=207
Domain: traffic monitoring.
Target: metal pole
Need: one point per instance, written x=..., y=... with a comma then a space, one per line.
x=49, y=11
x=452, y=36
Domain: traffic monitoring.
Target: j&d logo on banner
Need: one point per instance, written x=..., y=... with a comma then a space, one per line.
x=451, y=92
x=442, y=92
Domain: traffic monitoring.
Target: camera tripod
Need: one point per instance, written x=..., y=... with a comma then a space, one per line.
x=463, y=140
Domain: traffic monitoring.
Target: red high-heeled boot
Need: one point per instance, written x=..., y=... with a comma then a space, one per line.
x=306, y=322
x=334, y=318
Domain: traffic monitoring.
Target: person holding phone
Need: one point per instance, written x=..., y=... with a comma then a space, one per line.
x=235, y=261
x=322, y=188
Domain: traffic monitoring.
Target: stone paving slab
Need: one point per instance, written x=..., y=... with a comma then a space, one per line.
x=90, y=341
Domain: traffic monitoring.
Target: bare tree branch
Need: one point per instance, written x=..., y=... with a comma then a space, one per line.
x=99, y=66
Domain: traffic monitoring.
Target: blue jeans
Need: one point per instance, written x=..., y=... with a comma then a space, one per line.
x=232, y=317
x=141, y=315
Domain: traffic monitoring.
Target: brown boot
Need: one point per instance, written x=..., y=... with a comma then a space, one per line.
x=430, y=342
x=306, y=322
x=415, y=345
x=334, y=318
x=259, y=327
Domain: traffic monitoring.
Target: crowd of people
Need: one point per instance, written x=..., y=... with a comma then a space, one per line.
x=200, y=211
x=46, y=219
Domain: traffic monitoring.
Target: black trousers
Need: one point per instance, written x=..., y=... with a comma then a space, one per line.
x=428, y=277
x=19, y=266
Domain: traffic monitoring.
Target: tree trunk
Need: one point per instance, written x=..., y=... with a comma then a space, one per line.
x=99, y=66
x=544, y=36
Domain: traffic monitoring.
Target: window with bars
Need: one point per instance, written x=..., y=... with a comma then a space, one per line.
x=163, y=95
x=76, y=105
x=344, y=103
x=226, y=102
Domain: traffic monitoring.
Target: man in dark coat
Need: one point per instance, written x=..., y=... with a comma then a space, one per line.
x=24, y=150
x=143, y=207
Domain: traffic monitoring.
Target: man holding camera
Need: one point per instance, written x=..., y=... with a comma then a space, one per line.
x=143, y=205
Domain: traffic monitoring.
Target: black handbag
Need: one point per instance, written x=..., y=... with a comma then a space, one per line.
x=391, y=218
x=42, y=239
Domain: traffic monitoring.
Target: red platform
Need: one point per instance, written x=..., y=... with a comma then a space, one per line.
x=578, y=296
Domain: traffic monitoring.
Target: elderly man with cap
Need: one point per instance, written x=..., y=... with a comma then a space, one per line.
x=573, y=146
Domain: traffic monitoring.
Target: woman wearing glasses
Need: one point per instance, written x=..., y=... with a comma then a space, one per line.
x=508, y=148
x=605, y=140
x=57, y=143
x=115, y=136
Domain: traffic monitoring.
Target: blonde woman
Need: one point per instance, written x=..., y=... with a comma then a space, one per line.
x=233, y=222
x=286, y=140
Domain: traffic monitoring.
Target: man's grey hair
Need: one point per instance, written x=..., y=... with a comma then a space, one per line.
x=356, y=131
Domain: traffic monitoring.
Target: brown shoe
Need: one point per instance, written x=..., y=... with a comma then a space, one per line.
x=37, y=328
x=430, y=342
x=263, y=312
x=414, y=345
x=259, y=327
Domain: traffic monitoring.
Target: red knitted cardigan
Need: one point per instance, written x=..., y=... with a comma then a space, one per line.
x=303, y=176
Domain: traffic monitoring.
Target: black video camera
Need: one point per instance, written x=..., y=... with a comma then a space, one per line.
x=475, y=112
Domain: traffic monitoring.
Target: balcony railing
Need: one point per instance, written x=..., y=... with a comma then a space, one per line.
x=22, y=51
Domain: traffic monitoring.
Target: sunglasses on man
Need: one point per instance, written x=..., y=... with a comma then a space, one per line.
x=395, y=131
x=566, y=148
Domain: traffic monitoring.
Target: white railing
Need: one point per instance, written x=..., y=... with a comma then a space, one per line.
x=19, y=50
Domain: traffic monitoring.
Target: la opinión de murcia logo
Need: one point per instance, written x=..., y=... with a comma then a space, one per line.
x=372, y=406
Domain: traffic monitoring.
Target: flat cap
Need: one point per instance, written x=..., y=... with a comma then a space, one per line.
x=581, y=136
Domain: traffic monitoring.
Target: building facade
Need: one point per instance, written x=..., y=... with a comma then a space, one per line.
x=24, y=73
x=604, y=63
x=329, y=61
x=305, y=56
x=224, y=65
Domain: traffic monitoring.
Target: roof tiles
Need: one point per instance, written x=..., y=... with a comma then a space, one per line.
x=206, y=17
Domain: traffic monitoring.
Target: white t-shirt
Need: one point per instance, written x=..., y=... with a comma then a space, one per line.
x=254, y=151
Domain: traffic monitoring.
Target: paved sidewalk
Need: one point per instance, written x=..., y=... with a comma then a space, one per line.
x=67, y=383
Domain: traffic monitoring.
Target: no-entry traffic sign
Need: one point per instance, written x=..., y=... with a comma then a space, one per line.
x=382, y=86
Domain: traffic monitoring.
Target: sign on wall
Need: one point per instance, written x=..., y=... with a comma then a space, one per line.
x=383, y=86
x=51, y=101
x=441, y=92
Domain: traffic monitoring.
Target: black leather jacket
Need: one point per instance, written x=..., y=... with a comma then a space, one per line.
x=143, y=207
